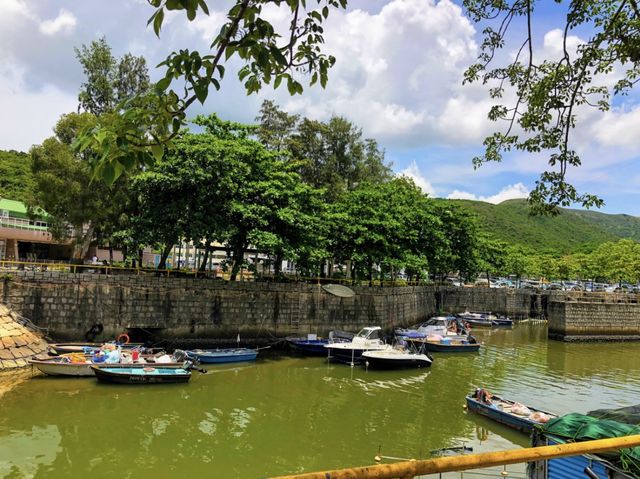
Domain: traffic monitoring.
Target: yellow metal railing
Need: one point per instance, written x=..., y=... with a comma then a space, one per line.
x=411, y=469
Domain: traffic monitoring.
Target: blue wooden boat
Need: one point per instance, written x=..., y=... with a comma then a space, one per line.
x=315, y=346
x=219, y=356
x=146, y=375
x=500, y=410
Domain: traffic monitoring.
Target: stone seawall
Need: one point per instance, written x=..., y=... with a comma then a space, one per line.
x=581, y=318
x=69, y=305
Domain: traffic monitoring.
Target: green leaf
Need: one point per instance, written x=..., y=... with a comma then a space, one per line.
x=163, y=84
x=157, y=22
x=201, y=90
x=157, y=151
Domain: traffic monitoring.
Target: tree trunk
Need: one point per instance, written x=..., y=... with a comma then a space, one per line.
x=205, y=259
x=83, y=243
x=140, y=256
x=277, y=265
x=164, y=256
x=370, y=267
x=110, y=253
x=238, y=256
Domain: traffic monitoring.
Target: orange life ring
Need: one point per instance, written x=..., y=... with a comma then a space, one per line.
x=123, y=339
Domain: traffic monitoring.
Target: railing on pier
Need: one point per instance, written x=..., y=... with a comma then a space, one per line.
x=411, y=469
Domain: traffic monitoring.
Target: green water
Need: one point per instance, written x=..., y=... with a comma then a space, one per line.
x=294, y=414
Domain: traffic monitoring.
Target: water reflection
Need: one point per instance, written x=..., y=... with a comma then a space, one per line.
x=293, y=414
x=23, y=453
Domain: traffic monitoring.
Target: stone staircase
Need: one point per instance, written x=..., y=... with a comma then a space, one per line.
x=17, y=343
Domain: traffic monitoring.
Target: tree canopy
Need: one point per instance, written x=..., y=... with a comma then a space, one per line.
x=549, y=93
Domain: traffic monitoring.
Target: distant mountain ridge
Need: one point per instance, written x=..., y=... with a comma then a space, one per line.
x=570, y=231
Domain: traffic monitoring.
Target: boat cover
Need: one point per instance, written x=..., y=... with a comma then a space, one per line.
x=339, y=290
x=627, y=415
x=579, y=427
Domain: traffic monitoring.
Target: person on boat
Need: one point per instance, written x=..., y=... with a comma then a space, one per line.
x=484, y=396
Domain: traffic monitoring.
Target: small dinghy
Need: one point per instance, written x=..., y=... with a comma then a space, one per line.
x=507, y=412
x=218, y=356
x=78, y=364
x=396, y=359
x=146, y=375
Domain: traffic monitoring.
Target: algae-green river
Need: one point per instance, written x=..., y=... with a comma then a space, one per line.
x=286, y=414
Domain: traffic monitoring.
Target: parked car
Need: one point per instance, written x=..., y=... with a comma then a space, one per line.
x=553, y=287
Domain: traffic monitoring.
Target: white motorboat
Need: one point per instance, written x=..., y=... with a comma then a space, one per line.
x=394, y=358
x=438, y=325
x=368, y=339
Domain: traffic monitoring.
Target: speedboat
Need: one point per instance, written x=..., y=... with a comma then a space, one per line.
x=485, y=319
x=396, y=358
x=440, y=325
x=367, y=339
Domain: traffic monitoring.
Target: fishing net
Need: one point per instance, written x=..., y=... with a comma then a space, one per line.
x=578, y=427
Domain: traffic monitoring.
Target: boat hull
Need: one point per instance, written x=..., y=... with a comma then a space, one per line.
x=51, y=368
x=378, y=362
x=348, y=355
x=220, y=356
x=437, y=347
x=140, y=376
x=310, y=347
x=57, y=368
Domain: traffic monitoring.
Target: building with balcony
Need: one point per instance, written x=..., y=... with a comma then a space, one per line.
x=27, y=238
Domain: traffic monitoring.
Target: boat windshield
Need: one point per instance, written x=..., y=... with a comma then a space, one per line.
x=369, y=333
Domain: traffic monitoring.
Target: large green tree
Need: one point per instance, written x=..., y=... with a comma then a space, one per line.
x=16, y=179
x=109, y=81
x=221, y=185
x=272, y=56
x=77, y=207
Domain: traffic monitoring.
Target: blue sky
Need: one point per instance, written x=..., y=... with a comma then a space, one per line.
x=398, y=76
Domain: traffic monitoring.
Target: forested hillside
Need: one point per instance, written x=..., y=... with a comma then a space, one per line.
x=572, y=230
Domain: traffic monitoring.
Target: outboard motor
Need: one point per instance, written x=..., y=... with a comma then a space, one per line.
x=179, y=356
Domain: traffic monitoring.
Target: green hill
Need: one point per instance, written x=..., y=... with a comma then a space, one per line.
x=571, y=230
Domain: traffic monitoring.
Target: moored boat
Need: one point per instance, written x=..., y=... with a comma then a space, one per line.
x=77, y=364
x=367, y=339
x=485, y=319
x=393, y=358
x=507, y=412
x=440, y=325
x=146, y=375
x=313, y=345
x=57, y=349
x=219, y=356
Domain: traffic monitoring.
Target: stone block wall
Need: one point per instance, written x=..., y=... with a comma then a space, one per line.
x=70, y=304
x=573, y=320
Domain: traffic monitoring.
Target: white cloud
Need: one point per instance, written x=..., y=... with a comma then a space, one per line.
x=65, y=22
x=413, y=172
x=396, y=72
x=30, y=122
x=507, y=193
